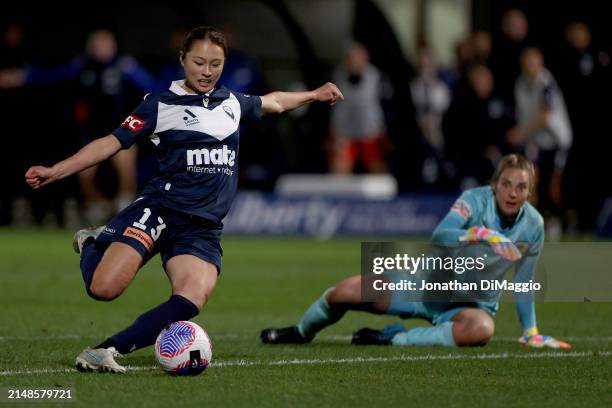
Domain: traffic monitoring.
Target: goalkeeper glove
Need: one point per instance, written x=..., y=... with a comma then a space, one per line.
x=501, y=245
x=532, y=338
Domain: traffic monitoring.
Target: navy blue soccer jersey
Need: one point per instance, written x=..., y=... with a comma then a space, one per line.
x=196, y=137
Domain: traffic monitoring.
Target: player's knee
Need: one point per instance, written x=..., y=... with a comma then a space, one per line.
x=335, y=295
x=479, y=331
x=483, y=331
x=473, y=328
x=93, y=294
x=104, y=291
x=347, y=291
x=101, y=293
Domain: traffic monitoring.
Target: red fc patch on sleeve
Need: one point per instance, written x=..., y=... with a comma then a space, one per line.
x=134, y=123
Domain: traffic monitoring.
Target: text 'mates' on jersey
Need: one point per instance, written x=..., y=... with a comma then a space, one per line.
x=196, y=138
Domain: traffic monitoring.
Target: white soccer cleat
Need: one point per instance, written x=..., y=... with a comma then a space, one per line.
x=83, y=235
x=101, y=360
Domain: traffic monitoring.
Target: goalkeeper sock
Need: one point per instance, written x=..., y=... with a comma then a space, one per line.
x=91, y=255
x=319, y=315
x=440, y=335
x=145, y=329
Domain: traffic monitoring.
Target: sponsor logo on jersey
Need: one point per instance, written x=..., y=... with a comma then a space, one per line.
x=134, y=123
x=139, y=236
x=221, y=156
x=190, y=119
x=199, y=161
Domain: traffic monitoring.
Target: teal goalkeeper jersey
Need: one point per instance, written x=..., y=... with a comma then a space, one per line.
x=477, y=207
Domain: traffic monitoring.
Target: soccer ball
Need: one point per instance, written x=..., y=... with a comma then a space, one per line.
x=183, y=348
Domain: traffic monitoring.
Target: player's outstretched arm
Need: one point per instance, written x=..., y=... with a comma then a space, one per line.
x=93, y=153
x=279, y=102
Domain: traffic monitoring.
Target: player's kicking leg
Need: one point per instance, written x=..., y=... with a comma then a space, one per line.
x=192, y=280
x=96, y=359
x=325, y=311
x=110, y=263
x=107, y=272
x=85, y=236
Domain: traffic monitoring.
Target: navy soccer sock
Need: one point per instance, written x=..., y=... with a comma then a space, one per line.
x=145, y=329
x=91, y=255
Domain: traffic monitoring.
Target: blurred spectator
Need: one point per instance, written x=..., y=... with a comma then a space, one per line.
x=482, y=47
x=241, y=71
x=579, y=72
x=582, y=78
x=358, y=123
x=103, y=77
x=172, y=69
x=475, y=126
x=431, y=98
x=464, y=58
x=544, y=132
x=507, y=51
x=14, y=207
x=12, y=47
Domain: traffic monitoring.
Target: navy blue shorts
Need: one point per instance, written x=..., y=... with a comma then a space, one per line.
x=150, y=229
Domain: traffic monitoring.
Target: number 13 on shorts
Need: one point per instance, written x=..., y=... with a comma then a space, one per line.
x=155, y=232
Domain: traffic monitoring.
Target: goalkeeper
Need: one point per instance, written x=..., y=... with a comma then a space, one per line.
x=498, y=216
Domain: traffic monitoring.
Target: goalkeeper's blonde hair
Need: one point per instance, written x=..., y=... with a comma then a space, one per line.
x=514, y=161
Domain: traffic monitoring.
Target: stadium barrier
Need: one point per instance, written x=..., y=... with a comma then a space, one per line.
x=325, y=216
x=604, y=220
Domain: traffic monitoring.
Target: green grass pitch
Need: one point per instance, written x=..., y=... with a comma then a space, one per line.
x=46, y=319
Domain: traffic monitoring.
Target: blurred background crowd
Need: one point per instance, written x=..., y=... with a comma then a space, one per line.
x=436, y=92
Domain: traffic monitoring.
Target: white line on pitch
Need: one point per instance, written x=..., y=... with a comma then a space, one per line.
x=498, y=338
x=352, y=360
x=330, y=337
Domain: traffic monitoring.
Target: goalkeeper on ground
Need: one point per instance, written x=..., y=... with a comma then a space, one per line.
x=497, y=216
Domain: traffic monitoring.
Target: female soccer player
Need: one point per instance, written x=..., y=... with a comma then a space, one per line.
x=194, y=127
x=499, y=216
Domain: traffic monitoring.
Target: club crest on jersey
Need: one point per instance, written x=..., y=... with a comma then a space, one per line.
x=134, y=123
x=229, y=112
